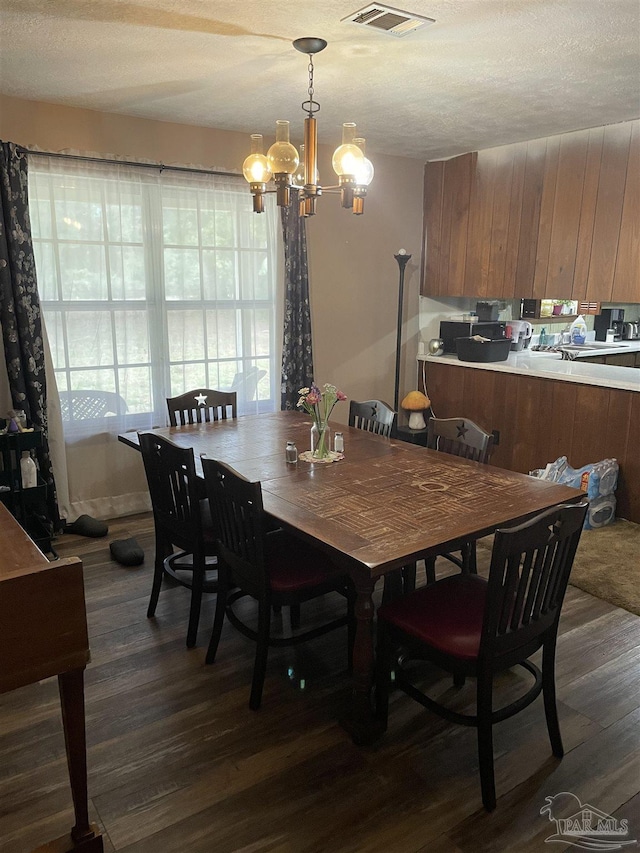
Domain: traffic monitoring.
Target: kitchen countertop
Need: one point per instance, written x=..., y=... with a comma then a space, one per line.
x=548, y=365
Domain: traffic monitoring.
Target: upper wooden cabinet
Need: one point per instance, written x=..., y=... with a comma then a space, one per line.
x=555, y=217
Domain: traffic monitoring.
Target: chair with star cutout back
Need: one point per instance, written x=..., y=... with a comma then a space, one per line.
x=459, y=437
x=372, y=416
x=378, y=418
x=201, y=405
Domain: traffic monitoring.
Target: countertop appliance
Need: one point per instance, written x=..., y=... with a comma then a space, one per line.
x=521, y=332
x=630, y=331
x=451, y=329
x=609, y=318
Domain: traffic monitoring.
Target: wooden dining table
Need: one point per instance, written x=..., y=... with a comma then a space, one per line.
x=386, y=504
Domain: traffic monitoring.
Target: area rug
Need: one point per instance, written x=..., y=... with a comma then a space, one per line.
x=607, y=563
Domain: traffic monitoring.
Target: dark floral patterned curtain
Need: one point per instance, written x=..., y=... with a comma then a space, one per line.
x=297, y=354
x=20, y=308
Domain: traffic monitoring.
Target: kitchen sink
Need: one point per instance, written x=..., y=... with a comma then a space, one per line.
x=592, y=345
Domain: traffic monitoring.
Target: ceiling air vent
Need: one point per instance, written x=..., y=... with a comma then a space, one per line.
x=395, y=22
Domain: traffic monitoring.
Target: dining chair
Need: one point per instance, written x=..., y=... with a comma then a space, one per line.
x=273, y=568
x=458, y=437
x=472, y=626
x=201, y=404
x=181, y=520
x=372, y=416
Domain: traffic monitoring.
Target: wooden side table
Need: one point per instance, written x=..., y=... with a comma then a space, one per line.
x=44, y=633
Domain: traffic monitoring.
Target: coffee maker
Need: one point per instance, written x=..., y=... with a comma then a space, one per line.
x=609, y=318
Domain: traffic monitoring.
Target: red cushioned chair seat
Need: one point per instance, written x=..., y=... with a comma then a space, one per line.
x=292, y=566
x=446, y=615
x=208, y=531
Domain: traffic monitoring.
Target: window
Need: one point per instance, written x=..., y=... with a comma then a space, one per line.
x=151, y=283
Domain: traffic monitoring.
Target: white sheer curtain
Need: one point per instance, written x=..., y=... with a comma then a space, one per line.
x=151, y=282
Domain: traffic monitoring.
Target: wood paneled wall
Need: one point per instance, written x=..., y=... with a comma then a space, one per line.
x=542, y=419
x=554, y=217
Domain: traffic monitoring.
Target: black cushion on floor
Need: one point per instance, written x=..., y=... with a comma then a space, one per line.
x=127, y=552
x=87, y=526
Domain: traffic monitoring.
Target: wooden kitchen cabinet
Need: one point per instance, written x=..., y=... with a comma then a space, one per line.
x=626, y=280
x=539, y=420
x=549, y=218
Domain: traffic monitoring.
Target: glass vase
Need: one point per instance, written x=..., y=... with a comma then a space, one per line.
x=320, y=441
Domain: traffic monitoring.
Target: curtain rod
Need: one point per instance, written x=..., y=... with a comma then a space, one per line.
x=109, y=161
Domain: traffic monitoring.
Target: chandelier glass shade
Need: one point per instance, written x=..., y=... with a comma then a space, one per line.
x=288, y=169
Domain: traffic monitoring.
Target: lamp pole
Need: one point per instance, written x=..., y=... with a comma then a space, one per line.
x=403, y=259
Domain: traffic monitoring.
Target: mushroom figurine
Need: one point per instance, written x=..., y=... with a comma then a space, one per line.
x=415, y=404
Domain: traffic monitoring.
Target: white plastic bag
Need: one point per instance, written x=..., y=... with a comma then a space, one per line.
x=598, y=480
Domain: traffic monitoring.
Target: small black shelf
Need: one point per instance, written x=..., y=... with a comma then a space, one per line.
x=413, y=436
x=27, y=505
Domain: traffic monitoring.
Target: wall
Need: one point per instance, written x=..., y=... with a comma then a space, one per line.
x=353, y=274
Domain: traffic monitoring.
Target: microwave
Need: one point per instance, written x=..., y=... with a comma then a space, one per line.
x=451, y=329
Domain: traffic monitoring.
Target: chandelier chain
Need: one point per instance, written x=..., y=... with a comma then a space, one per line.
x=311, y=106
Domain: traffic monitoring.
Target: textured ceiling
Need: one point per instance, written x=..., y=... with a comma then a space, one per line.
x=488, y=72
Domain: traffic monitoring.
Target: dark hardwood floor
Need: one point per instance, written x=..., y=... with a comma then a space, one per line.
x=179, y=764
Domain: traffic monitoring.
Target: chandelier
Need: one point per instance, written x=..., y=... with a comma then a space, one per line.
x=300, y=171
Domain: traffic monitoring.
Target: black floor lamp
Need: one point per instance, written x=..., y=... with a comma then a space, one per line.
x=403, y=259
